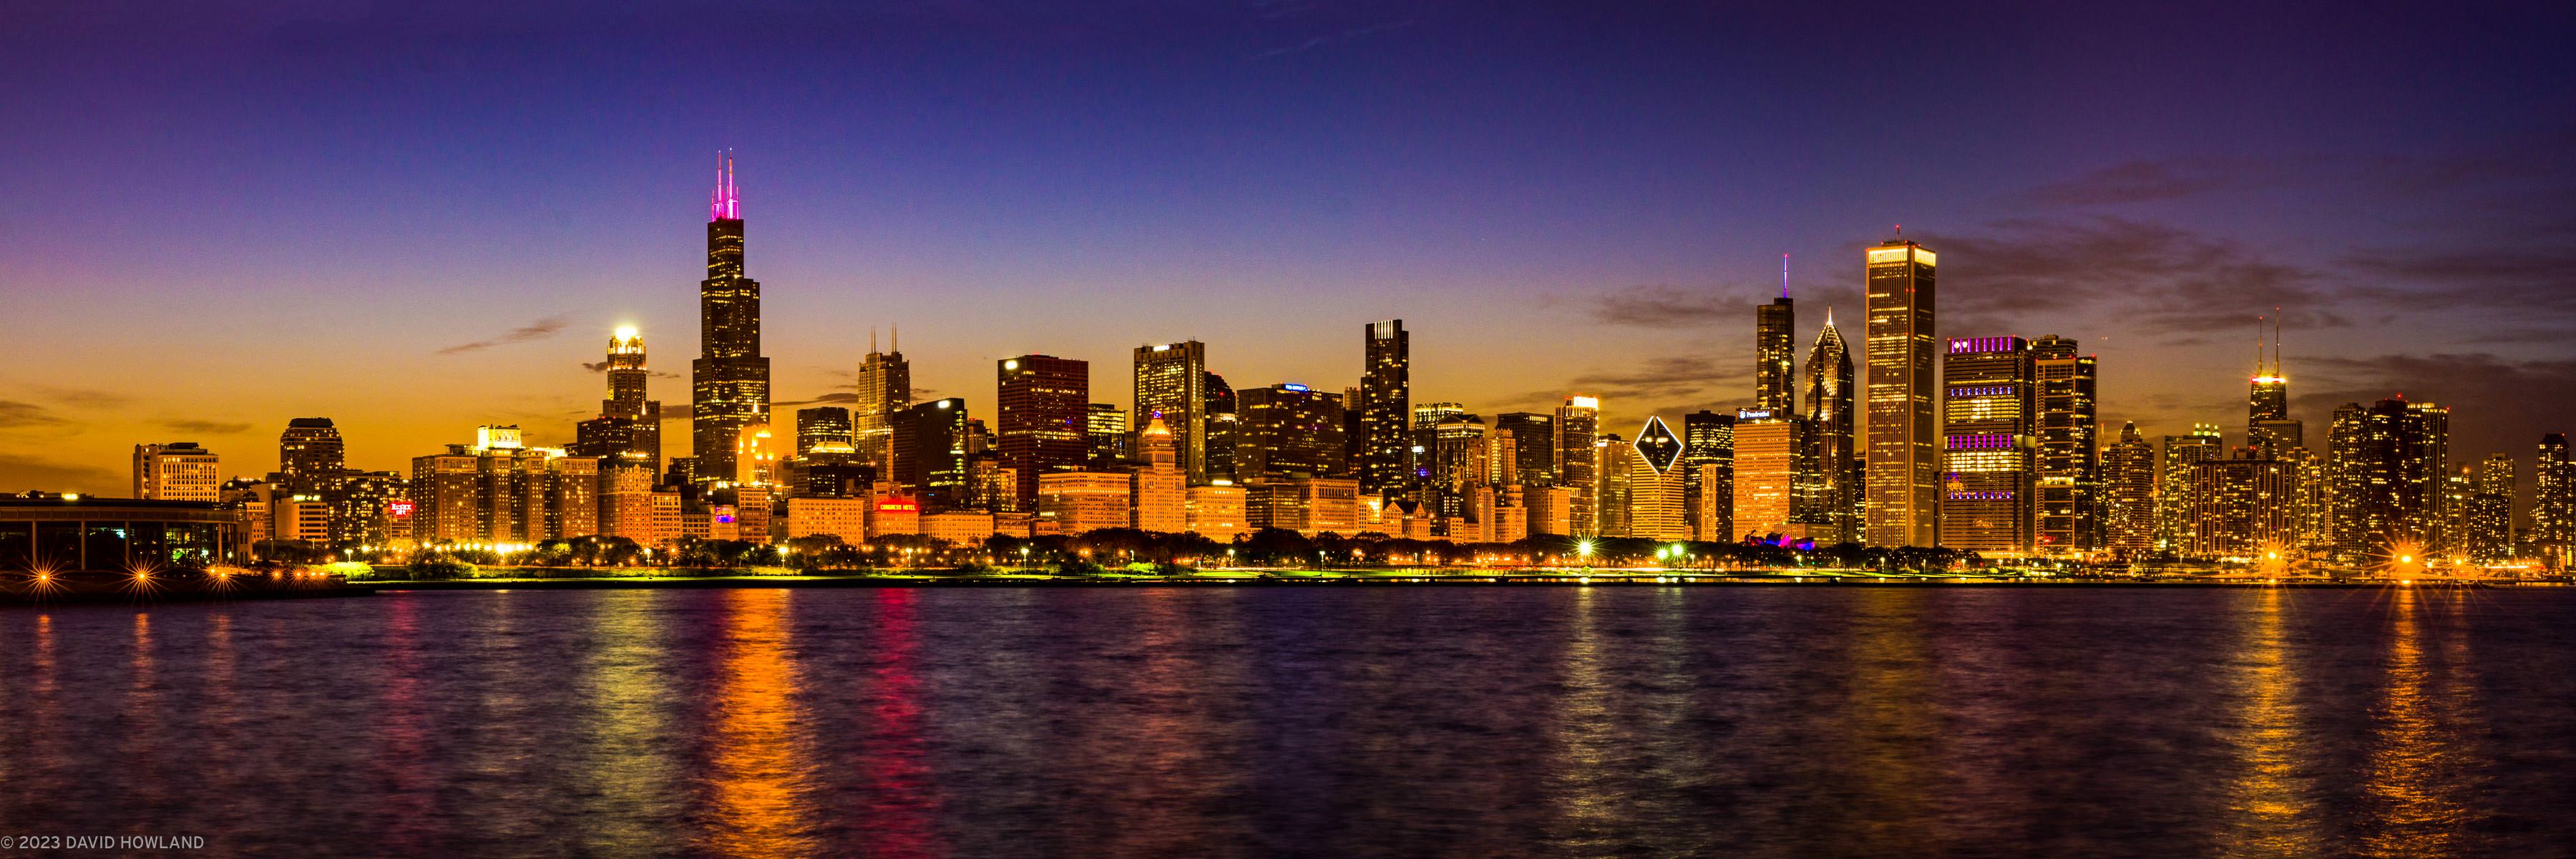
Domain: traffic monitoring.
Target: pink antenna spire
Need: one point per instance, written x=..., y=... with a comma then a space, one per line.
x=726, y=203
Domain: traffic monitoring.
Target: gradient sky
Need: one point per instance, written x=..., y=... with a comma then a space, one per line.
x=226, y=215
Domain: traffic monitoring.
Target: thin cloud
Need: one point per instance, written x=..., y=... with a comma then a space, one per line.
x=538, y=330
x=19, y=473
x=825, y=399
x=14, y=415
x=2152, y=181
x=1666, y=378
x=91, y=398
x=2159, y=278
x=1665, y=306
x=206, y=427
x=602, y=367
x=1320, y=41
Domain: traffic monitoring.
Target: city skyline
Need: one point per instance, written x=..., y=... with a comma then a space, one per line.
x=479, y=278
x=1770, y=314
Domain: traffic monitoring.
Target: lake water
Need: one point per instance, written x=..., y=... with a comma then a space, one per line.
x=1306, y=721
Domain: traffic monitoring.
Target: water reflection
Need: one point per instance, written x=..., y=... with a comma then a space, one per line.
x=2273, y=809
x=1587, y=812
x=408, y=787
x=1886, y=735
x=221, y=714
x=144, y=712
x=756, y=793
x=2409, y=786
x=1307, y=722
x=629, y=767
x=899, y=799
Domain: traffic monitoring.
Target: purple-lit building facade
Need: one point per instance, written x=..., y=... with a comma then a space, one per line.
x=1987, y=446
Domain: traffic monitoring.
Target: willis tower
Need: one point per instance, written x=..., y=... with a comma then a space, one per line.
x=730, y=380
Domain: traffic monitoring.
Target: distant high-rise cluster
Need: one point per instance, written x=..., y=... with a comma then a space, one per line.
x=1991, y=444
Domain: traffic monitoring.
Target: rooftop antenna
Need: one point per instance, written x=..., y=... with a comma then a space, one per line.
x=1784, y=275
x=2258, y=346
x=872, y=339
x=726, y=202
x=896, y=335
x=2276, y=341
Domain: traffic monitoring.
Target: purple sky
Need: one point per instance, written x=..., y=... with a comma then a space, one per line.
x=228, y=215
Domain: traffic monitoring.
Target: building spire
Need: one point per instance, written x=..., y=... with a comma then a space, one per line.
x=896, y=335
x=1784, y=275
x=726, y=203
x=2258, y=346
x=2276, y=341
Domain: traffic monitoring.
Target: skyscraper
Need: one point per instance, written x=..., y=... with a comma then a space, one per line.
x=1765, y=480
x=2069, y=457
x=178, y=471
x=1577, y=422
x=1044, y=426
x=2553, y=504
x=1223, y=423
x=1105, y=432
x=2490, y=515
x=1386, y=400
x=1157, y=497
x=2386, y=462
x=1287, y=430
x=310, y=456
x=2129, y=494
x=885, y=387
x=1903, y=485
x=1534, y=446
x=932, y=442
x=2268, y=425
x=1611, y=461
x=1708, y=474
x=1986, y=503
x=822, y=425
x=1454, y=455
x=1655, y=484
x=2174, y=483
x=729, y=384
x=1775, y=355
x=2242, y=505
x=628, y=430
x=1834, y=471
x=1171, y=383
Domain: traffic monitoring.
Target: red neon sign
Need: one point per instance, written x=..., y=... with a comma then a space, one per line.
x=398, y=508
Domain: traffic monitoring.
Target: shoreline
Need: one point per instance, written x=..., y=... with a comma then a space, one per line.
x=1505, y=580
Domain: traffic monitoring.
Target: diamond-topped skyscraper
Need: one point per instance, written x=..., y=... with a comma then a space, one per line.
x=729, y=382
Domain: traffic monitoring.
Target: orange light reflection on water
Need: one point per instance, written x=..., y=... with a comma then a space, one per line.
x=2413, y=809
x=2272, y=807
x=758, y=791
